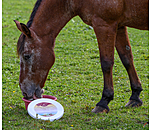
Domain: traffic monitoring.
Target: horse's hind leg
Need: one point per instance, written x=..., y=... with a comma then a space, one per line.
x=124, y=50
x=106, y=35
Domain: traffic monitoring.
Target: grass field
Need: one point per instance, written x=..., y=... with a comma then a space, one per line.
x=75, y=79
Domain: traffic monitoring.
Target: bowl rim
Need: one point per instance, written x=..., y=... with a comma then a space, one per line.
x=43, y=96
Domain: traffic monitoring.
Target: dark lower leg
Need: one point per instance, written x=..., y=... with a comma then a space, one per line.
x=107, y=96
x=108, y=92
x=135, y=92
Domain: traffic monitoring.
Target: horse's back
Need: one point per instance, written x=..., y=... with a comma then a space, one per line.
x=106, y=10
x=136, y=14
x=126, y=12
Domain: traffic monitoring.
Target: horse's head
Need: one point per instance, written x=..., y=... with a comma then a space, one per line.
x=36, y=58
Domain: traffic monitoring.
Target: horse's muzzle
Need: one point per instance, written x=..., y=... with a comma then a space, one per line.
x=33, y=92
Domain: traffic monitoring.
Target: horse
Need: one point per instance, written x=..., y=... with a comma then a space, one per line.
x=108, y=18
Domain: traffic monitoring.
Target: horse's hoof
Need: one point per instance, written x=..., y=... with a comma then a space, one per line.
x=134, y=103
x=99, y=109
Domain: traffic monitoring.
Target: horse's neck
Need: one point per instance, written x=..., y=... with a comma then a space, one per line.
x=51, y=17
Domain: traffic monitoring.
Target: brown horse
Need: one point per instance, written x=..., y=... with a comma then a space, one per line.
x=109, y=19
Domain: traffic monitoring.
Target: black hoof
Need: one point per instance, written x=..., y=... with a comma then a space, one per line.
x=99, y=109
x=134, y=103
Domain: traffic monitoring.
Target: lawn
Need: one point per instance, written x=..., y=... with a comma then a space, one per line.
x=76, y=78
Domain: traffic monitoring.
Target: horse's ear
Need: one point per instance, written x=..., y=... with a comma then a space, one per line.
x=23, y=28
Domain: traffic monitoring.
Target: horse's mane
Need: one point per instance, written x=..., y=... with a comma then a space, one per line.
x=37, y=4
x=20, y=44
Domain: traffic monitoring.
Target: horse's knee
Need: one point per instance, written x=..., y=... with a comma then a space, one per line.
x=126, y=61
x=106, y=65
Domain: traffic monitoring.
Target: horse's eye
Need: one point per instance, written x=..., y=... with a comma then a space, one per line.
x=26, y=56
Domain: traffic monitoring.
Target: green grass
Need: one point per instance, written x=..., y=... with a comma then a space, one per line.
x=75, y=79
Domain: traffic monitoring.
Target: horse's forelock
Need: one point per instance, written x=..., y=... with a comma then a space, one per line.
x=20, y=44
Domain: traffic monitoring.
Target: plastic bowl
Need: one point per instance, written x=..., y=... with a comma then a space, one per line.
x=44, y=96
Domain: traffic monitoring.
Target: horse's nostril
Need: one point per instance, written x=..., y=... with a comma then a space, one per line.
x=42, y=90
x=26, y=97
x=24, y=94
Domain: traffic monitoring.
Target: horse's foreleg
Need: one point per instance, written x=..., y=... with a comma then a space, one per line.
x=106, y=35
x=124, y=50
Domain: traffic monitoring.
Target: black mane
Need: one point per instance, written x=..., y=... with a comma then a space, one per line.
x=20, y=44
x=37, y=4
